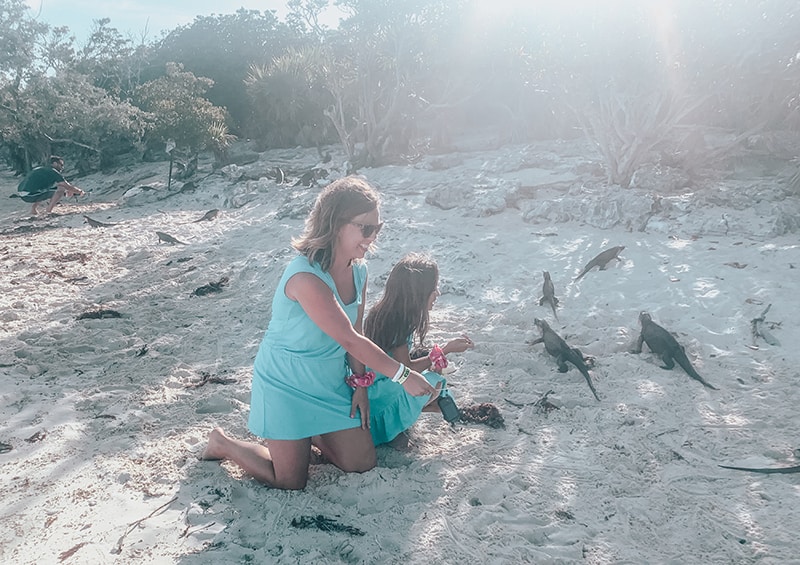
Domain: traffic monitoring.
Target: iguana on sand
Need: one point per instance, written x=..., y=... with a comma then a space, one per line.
x=559, y=349
x=95, y=223
x=549, y=293
x=166, y=238
x=663, y=344
x=602, y=260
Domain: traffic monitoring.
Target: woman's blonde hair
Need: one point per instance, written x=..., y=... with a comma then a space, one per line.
x=336, y=205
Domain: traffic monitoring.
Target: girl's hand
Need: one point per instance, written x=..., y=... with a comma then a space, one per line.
x=458, y=345
x=360, y=402
x=417, y=385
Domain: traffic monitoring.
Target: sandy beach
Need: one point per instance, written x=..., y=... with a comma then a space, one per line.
x=114, y=368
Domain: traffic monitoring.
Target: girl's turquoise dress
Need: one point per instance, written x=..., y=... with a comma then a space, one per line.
x=391, y=409
x=298, y=375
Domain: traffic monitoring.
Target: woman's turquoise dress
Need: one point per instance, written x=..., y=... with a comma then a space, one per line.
x=298, y=375
x=391, y=409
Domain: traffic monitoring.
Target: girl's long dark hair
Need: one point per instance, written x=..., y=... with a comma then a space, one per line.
x=403, y=308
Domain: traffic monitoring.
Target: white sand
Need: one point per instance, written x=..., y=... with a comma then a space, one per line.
x=631, y=479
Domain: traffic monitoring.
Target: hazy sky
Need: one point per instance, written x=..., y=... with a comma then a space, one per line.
x=132, y=17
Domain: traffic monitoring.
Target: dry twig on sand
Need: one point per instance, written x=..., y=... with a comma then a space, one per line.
x=133, y=525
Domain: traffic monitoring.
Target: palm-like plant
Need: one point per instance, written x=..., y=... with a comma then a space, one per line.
x=288, y=97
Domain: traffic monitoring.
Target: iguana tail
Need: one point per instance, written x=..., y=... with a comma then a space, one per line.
x=683, y=361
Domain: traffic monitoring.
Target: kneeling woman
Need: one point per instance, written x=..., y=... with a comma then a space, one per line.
x=300, y=390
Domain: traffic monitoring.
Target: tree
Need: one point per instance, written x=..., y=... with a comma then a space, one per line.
x=178, y=110
x=673, y=70
x=46, y=106
x=224, y=48
x=373, y=62
x=304, y=15
x=20, y=37
x=111, y=61
x=66, y=114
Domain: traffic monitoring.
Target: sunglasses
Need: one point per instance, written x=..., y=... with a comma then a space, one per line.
x=367, y=230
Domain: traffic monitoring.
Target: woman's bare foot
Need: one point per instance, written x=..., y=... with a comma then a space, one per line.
x=216, y=446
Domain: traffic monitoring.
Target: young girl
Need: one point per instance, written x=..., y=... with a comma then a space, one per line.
x=300, y=391
x=397, y=324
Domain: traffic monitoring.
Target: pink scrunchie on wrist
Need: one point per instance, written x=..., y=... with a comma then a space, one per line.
x=437, y=358
x=362, y=380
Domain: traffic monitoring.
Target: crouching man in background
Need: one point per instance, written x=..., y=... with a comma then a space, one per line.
x=47, y=183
